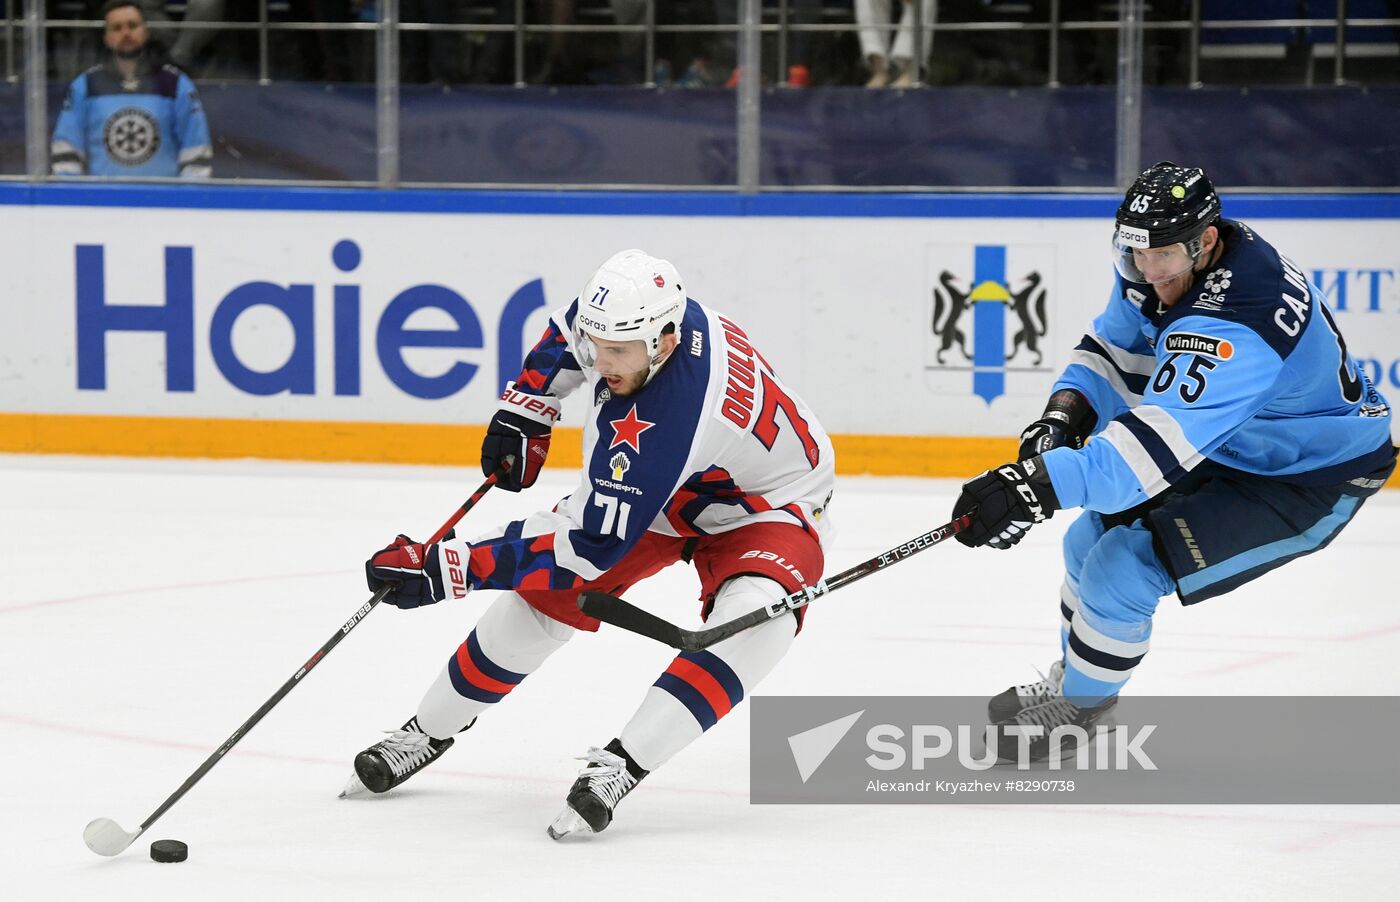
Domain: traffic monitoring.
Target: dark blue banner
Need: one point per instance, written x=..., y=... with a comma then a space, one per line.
x=965, y=137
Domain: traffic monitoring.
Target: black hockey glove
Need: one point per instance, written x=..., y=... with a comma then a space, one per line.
x=1008, y=500
x=522, y=428
x=1067, y=420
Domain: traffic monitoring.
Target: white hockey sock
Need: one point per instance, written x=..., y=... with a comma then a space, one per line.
x=510, y=641
x=701, y=687
x=1069, y=603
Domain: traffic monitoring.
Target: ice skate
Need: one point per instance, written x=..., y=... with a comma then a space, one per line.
x=1013, y=701
x=609, y=775
x=1048, y=715
x=394, y=759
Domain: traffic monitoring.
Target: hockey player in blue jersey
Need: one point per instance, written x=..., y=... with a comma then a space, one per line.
x=134, y=115
x=1231, y=433
x=694, y=450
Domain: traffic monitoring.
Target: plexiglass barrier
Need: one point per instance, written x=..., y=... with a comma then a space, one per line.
x=718, y=94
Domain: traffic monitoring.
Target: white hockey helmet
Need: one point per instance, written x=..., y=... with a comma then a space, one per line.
x=632, y=297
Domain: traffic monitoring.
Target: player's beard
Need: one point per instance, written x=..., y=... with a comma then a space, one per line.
x=1173, y=290
x=627, y=384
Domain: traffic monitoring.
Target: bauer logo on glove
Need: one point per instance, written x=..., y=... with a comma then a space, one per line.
x=456, y=573
x=520, y=428
x=416, y=571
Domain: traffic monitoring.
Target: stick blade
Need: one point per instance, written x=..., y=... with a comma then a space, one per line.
x=619, y=613
x=106, y=837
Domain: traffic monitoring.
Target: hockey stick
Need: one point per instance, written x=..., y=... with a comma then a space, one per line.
x=619, y=613
x=106, y=837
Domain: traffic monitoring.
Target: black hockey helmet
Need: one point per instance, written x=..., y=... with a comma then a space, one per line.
x=1167, y=205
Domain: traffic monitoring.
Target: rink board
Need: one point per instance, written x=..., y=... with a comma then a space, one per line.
x=379, y=326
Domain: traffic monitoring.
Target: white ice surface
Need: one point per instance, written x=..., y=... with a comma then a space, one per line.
x=150, y=607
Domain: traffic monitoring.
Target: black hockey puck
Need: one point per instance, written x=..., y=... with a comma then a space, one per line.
x=167, y=850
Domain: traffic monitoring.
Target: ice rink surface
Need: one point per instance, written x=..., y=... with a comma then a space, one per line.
x=150, y=607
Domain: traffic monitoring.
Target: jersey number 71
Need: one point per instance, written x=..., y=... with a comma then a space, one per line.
x=766, y=429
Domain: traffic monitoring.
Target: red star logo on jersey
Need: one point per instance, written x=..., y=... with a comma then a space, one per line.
x=628, y=430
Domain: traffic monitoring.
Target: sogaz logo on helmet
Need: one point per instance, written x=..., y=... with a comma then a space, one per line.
x=100, y=314
x=591, y=323
x=1006, y=295
x=1133, y=237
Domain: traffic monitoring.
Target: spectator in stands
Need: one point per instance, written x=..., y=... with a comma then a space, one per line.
x=339, y=62
x=631, y=12
x=136, y=114
x=561, y=64
x=491, y=63
x=718, y=64
x=891, y=62
x=187, y=43
x=800, y=12
x=799, y=70
x=435, y=56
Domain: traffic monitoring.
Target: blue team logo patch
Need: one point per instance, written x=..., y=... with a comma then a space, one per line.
x=131, y=136
x=970, y=317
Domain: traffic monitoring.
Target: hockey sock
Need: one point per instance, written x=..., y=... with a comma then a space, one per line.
x=1069, y=603
x=701, y=687
x=1119, y=589
x=510, y=641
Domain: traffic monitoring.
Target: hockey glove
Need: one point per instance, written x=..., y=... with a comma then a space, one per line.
x=421, y=574
x=1067, y=419
x=521, y=427
x=1008, y=501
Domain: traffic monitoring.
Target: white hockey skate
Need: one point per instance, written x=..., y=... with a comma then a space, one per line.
x=608, y=776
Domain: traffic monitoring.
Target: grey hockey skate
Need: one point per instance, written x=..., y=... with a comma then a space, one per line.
x=608, y=776
x=1011, y=702
x=1047, y=716
x=394, y=759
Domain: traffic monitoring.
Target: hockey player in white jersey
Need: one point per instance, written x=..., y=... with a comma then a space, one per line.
x=693, y=450
x=1232, y=432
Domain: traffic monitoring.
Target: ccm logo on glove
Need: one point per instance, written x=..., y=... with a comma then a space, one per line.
x=1004, y=503
x=1028, y=495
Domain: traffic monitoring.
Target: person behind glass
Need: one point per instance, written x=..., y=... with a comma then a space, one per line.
x=1232, y=433
x=800, y=12
x=561, y=64
x=889, y=53
x=136, y=114
x=187, y=43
